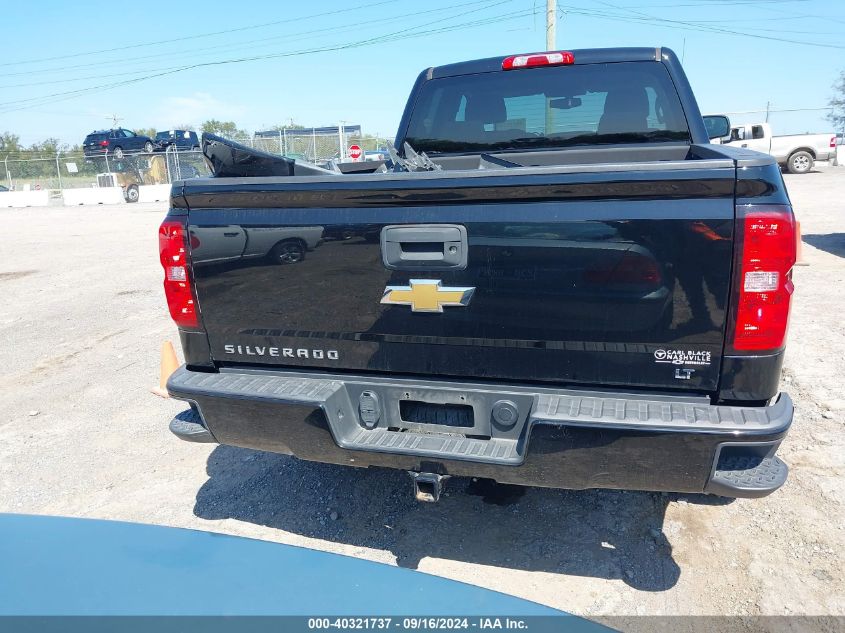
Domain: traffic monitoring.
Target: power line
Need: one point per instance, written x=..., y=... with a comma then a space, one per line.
x=230, y=48
x=703, y=3
x=75, y=79
x=388, y=37
x=645, y=18
x=200, y=35
x=779, y=110
x=826, y=18
x=154, y=74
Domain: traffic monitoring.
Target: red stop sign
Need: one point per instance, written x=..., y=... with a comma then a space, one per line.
x=355, y=152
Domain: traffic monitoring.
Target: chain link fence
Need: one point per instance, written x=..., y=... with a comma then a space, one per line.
x=75, y=170
x=316, y=145
x=70, y=170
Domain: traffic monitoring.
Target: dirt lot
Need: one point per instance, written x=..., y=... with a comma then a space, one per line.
x=82, y=319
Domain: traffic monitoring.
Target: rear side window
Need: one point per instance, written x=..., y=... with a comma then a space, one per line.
x=757, y=131
x=631, y=102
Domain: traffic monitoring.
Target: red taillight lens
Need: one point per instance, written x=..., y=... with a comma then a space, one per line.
x=833, y=142
x=172, y=250
x=104, y=143
x=766, y=252
x=532, y=60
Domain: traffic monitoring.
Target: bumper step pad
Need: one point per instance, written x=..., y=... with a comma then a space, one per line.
x=187, y=425
x=747, y=476
x=610, y=412
x=492, y=450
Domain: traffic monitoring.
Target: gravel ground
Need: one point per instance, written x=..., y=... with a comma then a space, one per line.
x=83, y=318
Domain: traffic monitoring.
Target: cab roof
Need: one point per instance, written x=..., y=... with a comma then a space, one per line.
x=582, y=56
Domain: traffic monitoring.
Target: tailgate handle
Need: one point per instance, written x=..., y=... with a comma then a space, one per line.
x=424, y=247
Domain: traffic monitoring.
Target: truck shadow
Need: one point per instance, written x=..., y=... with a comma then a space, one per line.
x=833, y=243
x=595, y=533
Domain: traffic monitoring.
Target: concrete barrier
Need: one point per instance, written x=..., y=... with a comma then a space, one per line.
x=153, y=193
x=93, y=195
x=24, y=198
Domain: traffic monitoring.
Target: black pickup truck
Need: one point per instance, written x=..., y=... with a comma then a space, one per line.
x=557, y=281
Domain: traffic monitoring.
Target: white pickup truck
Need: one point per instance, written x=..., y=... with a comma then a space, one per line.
x=796, y=152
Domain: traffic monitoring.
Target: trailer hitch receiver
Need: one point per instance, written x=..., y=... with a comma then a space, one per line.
x=427, y=486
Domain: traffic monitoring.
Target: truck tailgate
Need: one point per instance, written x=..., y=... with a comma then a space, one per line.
x=598, y=276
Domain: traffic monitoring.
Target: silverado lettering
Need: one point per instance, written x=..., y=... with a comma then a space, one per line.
x=283, y=352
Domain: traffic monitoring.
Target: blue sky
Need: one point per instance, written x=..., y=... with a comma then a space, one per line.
x=356, y=61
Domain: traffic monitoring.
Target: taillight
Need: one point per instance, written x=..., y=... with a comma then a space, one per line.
x=172, y=250
x=104, y=143
x=765, y=254
x=532, y=60
x=833, y=142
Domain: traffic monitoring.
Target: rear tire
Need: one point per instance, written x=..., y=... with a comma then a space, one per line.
x=800, y=162
x=118, y=153
x=149, y=147
x=288, y=252
x=132, y=193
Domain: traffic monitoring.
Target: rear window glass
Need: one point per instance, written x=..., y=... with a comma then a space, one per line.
x=631, y=102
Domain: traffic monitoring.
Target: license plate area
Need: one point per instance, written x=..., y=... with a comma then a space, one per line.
x=436, y=411
x=447, y=415
x=447, y=411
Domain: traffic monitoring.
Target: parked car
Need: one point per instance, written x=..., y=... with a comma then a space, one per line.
x=116, y=143
x=795, y=152
x=134, y=171
x=3, y=188
x=183, y=139
x=231, y=242
x=570, y=288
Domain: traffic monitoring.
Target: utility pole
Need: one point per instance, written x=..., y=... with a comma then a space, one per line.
x=114, y=121
x=768, y=105
x=551, y=24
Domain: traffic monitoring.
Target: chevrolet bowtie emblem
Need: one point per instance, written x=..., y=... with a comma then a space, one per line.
x=427, y=295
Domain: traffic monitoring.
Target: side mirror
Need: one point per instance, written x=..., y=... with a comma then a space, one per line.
x=718, y=125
